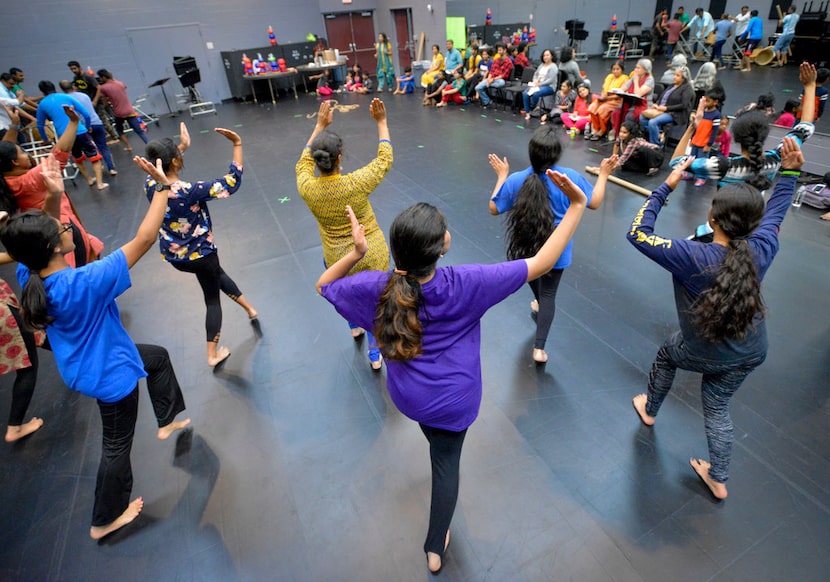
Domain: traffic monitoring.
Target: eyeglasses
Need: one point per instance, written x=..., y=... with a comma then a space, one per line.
x=65, y=227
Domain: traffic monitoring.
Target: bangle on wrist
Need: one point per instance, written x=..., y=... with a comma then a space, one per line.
x=795, y=173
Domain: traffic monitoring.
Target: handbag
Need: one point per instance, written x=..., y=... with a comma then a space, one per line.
x=651, y=113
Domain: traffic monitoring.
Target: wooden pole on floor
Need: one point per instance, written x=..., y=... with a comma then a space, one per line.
x=620, y=182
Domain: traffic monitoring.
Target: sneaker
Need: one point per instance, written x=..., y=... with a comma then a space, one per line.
x=700, y=182
x=686, y=176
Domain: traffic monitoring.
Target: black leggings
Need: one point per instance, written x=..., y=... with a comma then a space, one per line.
x=115, y=474
x=544, y=290
x=445, y=455
x=24, y=382
x=643, y=159
x=212, y=279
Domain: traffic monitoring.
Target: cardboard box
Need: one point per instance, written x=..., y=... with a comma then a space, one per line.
x=328, y=56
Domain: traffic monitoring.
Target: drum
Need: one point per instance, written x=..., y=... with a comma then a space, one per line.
x=763, y=56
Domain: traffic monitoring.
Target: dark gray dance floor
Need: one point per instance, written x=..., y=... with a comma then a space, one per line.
x=299, y=467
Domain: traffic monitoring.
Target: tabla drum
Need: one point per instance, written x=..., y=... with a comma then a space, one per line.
x=763, y=56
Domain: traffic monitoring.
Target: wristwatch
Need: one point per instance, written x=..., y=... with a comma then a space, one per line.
x=162, y=187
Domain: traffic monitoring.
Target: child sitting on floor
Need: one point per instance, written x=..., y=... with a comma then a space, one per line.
x=406, y=83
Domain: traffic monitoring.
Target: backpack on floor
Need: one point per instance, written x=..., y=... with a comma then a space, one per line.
x=817, y=196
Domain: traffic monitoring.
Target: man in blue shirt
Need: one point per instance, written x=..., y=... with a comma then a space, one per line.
x=51, y=109
x=782, y=45
x=753, y=34
x=452, y=61
x=723, y=30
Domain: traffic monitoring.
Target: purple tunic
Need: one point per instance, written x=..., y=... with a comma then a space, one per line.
x=440, y=388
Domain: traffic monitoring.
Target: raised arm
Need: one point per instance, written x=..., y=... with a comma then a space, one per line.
x=607, y=166
x=342, y=267
x=378, y=111
x=184, y=138
x=807, y=76
x=325, y=116
x=502, y=170
x=544, y=260
x=66, y=140
x=52, y=177
x=235, y=139
x=148, y=230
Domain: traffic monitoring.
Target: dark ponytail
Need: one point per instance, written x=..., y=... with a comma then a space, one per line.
x=162, y=149
x=416, y=240
x=750, y=131
x=726, y=309
x=325, y=149
x=8, y=154
x=531, y=219
x=30, y=238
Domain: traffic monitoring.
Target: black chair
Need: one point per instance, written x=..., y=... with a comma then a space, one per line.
x=513, y=90
x=500, y=94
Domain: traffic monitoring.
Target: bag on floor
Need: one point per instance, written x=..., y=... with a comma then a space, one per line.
x=817, y=196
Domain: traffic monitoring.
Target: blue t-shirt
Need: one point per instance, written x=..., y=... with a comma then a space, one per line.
x=755, y=29
x=441, y=387
x=452, y=60
x=722, y=28
x=559, y=203
x=51, y=108
x=94, y=354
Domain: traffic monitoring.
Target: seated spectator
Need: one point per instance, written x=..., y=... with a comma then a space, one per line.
x=499, y=74
x=455, y=92
x=563, y=102
x=678, y=62
x=475, y=75
x=543, y=83
x=607, y=102
x=569, y=66
x=579, y=117
x=640, y=83
x=675, y=102
x=787, y=117
x=638, y=155
x=765, y=104
x=437, y=65
x=706, y=78
x=436, y=88
x=453, y=61
x=520, y=57
x=405, y=83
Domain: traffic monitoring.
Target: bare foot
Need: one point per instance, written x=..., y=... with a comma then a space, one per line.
x=113, y=172
x=252, y=313
x=14, y=433
x=534, y=306
x=825, y=216
x=128, y=149
x=358, y=332
x=434, y=560
x=540, y=356
x=91, y=182
x=222, y=354
x=132, y=511
x=701, y=467
x=103, y=186
x=639, y=403
x=165, y=431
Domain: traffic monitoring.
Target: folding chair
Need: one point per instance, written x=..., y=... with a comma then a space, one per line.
x=513, y=90
x=615, y=43
x=148, y=118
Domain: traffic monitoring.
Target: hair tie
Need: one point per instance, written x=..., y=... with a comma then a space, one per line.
x=400, y=272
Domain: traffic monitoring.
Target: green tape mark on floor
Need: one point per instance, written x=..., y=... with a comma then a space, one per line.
x=205, y=131
x=420, y=147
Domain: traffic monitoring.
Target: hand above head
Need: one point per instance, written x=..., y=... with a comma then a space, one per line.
x=571, y=190
x=155, y=171
x=52, y=175
x=325, y=115
x=231, y=135
x=377, y=110
x=500, y=166
x=807, y=73
x=358, y=233
x=71, y=113
x=792, y=157
x=609, y=164
x=676, y=175
x=184, y=138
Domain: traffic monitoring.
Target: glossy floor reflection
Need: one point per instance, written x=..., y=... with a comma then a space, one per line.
x=298, y=466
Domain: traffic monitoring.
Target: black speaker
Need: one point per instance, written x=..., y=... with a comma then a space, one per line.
x=186, y=71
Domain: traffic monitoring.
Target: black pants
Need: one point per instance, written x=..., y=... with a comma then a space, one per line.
x=544, y=290
x=213, y=279
x=115, y=474
x=445, y=455
x=643, y=159
x=26, y=378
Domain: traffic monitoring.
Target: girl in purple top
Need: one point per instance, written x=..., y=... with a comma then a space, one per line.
x=426, y=322
x=717, y=290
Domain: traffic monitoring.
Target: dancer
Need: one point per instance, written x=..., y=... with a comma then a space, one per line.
x=718, y=296
x=186, y=235
x=386, y=70
x=537, y=206
x=19, y=354
x=327, y=194
x=93, y=352
x=428, y=324
x=22, y=188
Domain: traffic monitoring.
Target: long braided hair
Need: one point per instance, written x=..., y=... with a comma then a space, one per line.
x=727, y=308
x=750, y=130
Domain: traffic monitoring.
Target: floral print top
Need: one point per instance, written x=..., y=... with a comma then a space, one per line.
x=186, y=232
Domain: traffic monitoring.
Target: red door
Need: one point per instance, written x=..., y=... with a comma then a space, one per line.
x=353, y=34
x=403, y=36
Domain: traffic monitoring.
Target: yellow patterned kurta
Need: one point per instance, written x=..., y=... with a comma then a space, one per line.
x=327, y=197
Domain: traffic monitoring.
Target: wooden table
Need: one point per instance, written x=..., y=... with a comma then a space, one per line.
x=290, y=74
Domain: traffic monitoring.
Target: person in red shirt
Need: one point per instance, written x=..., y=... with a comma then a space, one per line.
x=116, y=92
